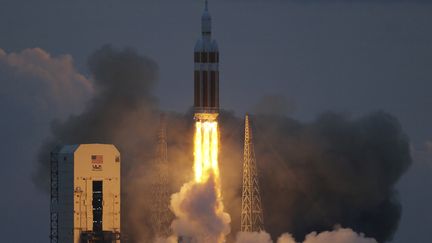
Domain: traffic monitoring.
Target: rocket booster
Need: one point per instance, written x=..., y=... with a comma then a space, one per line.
x=206, y=72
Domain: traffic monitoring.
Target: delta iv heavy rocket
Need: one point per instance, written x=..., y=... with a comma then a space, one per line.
x=206, y=73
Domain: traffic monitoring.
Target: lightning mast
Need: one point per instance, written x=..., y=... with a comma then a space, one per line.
x=251, y=214
x=161, y=215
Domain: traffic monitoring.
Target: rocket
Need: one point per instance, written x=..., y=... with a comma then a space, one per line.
x=206, y=72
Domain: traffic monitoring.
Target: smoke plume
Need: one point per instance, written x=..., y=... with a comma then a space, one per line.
x=334, y=170
x=195, y=208
x=336, y=236
x=274, y=104
x=45, y=86
x=255, y=237
x=123, y=112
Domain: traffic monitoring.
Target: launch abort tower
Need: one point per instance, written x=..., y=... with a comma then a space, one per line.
x=206, y=75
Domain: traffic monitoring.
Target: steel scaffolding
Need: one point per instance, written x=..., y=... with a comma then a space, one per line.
x=251, y=214
x=161, y=215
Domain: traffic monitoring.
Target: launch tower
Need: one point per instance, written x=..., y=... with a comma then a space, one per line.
x=161, y=215
x=85, y=194
x=251, y=214
x=206, y=72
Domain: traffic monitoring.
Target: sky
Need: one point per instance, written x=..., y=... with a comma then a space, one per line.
x=349, y=56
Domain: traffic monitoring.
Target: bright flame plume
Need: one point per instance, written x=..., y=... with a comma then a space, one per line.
x=206, y=151
x=198, y=206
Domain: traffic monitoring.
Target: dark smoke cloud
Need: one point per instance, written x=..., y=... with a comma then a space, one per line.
x=122, y=112
x=335, y=170
x=274, y=104
x=122, y=82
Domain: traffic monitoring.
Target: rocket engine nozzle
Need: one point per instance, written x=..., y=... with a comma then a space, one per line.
x=206, y=116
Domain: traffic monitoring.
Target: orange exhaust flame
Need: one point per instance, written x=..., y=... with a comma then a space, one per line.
x=206, y=150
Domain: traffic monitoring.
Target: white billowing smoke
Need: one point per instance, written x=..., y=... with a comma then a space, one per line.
x=44, y=83
x=199, y=213
x=341, y=235
x=286, y=238
x=171, y=239
x=337, y=236
x=253, y=237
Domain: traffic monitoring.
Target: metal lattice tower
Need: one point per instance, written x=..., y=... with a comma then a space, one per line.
x=54, y=237
x=161, y=215
x=251, y=214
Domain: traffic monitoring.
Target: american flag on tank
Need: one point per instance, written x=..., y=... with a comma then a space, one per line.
x=97, y=161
